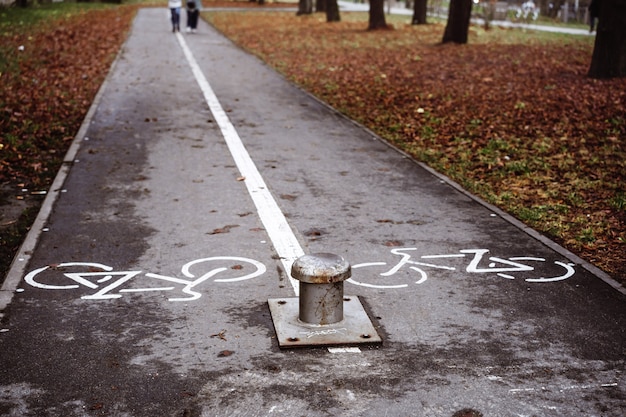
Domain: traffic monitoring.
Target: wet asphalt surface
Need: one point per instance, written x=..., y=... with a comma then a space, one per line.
x=103, y=321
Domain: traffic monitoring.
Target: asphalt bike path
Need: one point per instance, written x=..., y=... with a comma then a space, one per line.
x=199, y=176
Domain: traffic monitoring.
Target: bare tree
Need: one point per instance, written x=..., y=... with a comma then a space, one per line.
x=609, y=51
x=332, y=11
x=305, y=7
x=419, y=12
x=551, y=8
x=457, y=27
x=377, y=15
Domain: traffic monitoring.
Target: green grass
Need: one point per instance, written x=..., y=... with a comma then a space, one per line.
x=15, y=21
x=16, y=18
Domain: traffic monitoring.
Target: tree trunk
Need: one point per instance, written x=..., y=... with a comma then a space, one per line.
x=305, y=7
x=457, y=27
x=419, y=12
x=332, y=11
x=377, y=15
x=554, y=8
x=609, y=51
x=320, y=6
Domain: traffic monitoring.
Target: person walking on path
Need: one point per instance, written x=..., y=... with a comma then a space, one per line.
x=175, y=6
x=192, y=16
x=594, y=14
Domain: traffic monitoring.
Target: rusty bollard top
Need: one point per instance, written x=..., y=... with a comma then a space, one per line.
x=321, y=268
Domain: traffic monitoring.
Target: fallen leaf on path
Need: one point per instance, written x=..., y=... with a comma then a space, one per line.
x=221, y=335
x=224, y=229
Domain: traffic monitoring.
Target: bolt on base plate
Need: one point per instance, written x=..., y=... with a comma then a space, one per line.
x=355, y=328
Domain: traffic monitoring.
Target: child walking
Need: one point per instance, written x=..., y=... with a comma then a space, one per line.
x=192, y=16
x=175, y=6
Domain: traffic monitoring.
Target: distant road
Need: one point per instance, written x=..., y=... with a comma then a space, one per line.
x=364, y=7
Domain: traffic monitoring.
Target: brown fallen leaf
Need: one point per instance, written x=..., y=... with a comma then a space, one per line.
x=224, y=229
x=221, y=335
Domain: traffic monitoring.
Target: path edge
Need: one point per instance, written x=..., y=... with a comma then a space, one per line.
x=22, y=258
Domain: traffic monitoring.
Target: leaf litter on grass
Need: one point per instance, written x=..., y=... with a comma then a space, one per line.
x=511, y=116
x=53, y=60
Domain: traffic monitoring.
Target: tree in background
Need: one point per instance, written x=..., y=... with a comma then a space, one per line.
x=330, y=7
x=419, y=12
x=304, y=7
x=332, y=11
x=377, y=15
x=609, y=51
x=457, y=27
x=551, y=8
x=489, y=12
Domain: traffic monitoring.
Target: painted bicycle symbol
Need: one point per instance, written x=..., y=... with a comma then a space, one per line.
x=500, y=266
x=106, y=283
x=109, y=283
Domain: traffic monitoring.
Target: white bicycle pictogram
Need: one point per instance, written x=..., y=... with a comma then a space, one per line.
x=108, y=283
x=500, y=266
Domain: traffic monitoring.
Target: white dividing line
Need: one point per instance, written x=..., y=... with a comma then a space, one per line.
x=565, y=388
x=282, y=237
x=344, y=350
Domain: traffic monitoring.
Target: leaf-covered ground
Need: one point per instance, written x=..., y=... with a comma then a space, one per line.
x=52, y=62
x=49, y=78
x=511, y=115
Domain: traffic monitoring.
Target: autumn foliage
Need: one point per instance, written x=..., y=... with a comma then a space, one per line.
x=51, y=67
x=511, y=116
x=49, y=76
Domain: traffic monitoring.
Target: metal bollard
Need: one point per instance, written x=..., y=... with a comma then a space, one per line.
x=321, y=279
x=321, y=315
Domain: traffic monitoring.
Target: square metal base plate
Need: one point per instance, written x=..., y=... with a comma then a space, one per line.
x=355, y=328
